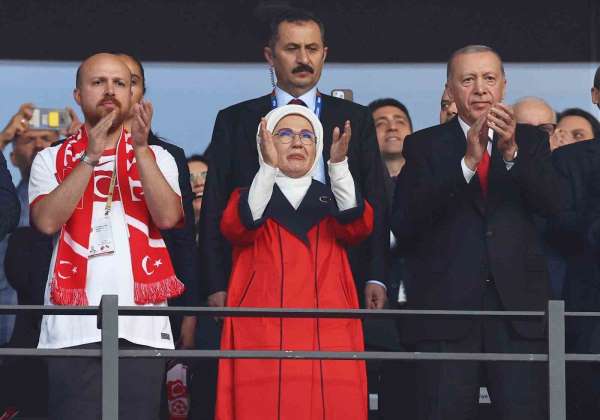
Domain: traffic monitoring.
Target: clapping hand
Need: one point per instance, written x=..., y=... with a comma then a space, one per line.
x=142, y=121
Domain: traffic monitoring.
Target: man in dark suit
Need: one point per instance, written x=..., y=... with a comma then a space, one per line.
x=575, y=233
x=463, y=212
x=296, y=53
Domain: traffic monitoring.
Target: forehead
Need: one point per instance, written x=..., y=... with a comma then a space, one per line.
x=302, y=32
x=480, y=62
x=197, y=166
x=294, y=121
x=30, y=134
x=133, y=67
x=389, y=111
x=574, y=122
x=105, y=66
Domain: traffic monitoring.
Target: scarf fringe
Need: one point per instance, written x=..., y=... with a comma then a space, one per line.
x=64, y=296
x=158, y=291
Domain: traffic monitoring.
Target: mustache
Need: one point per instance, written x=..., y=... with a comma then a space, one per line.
x=111, y=99
x=303, y=67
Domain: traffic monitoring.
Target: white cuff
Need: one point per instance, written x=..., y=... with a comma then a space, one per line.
x=377, y=282
x=342, y=184
x=467, y=172
x=261, y=190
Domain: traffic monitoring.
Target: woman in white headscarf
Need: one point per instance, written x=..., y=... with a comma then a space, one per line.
x=288, y=232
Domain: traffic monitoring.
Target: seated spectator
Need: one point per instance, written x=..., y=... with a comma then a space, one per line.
x=575, y=124
x=287, y=231
x=198, y=166
x=447, y=108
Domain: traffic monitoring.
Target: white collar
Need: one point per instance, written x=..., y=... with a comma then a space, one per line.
x=465, y=128
x=309, y=98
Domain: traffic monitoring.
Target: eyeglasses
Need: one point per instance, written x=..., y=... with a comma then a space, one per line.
x=548, y=128
x=198, y=176
x=286, y=135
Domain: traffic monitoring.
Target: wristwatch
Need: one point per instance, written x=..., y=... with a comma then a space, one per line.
x=86, y=159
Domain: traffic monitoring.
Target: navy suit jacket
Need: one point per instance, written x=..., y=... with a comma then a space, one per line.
x=454, y=239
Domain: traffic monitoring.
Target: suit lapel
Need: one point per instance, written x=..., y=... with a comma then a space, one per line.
x=256, y=110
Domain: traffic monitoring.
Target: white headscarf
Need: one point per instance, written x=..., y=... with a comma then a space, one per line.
x=294, y=189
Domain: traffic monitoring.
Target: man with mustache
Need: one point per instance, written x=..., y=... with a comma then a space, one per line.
x=464, y=203
x=105, y=193
x=296, y=53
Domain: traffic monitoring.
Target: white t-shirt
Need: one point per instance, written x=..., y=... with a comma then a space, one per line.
x=106, y=274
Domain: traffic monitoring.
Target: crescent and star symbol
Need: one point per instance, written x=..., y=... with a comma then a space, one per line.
x=156, y=264
x=70, y=267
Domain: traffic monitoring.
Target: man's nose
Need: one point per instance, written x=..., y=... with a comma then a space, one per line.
x=302, y=56
x=110, y=89
x=480, y=87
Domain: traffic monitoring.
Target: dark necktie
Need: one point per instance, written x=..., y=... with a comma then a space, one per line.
x=297, y=101
x=482, y=172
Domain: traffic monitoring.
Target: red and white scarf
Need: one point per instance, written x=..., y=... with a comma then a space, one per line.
x=153, y=276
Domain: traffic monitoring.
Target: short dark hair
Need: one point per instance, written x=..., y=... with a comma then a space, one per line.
x=380, y=103
x=578, y=112
x=198, y=158
x=139, y=64
x=472, y=49
x=291, y=15
x=597, y=78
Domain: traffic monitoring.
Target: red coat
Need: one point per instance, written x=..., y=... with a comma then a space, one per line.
x=293, y=259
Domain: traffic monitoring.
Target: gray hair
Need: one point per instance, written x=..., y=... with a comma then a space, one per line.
x=472, y=49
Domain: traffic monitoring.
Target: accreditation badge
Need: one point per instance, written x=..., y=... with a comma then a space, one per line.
x=101, y=240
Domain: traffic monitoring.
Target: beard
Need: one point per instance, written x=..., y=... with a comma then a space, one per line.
x=94, y=115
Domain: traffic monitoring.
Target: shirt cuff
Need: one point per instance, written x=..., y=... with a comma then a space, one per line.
x=377, y=282
x=261, y=190
x=467, y=172
x=510, y=163
x=342, y=185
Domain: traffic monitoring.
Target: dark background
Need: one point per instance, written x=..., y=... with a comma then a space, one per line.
x=356, y=30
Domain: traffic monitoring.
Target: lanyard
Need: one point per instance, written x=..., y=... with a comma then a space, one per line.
x=318, y=104
x=111, y=189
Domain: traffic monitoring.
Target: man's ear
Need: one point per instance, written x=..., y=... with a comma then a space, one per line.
x=325, y=50
x=77, y=96
x=268, y=53
x=449, y=92
x=13, y=158
x=595, y=95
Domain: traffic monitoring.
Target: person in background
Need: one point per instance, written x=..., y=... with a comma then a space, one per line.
x=393, y=381
x=198, y=166
x=447, y=108
x=26, y=143
x=296, y=51
x=595, y=91
x=208, y=333
x=575, y=125
x=537, y=112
